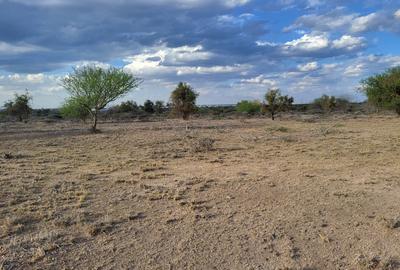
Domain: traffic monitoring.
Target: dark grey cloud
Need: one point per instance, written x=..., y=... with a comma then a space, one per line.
x=97, y=30
x=225, y=48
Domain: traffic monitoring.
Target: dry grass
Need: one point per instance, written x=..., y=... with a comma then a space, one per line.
x=230, y=194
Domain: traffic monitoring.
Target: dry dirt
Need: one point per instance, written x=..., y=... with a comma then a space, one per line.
x=289, y=194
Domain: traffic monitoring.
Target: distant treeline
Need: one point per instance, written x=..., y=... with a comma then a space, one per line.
x=159, y=109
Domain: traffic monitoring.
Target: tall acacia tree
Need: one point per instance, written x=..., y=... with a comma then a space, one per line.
x=95, y=87
x=183, y=100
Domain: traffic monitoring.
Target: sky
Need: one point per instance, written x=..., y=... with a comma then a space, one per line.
x=228, y=50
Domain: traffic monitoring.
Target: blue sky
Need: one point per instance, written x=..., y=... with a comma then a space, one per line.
x=228, y=50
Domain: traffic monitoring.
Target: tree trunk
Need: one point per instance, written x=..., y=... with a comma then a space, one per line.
x=94, y=124
x=273, y=116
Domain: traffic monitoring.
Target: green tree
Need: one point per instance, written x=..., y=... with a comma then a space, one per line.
x=383, y=90
x=343, y=104
x=325, y=103
x=73, y=108
x=248, y=106
x=95, y=87
x=183, y=100
x=159, y=107
x=127, y=106
x=19, y=107
x=276, y=102
x=148, y=106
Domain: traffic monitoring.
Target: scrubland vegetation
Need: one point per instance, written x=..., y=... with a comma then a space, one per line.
x=266, y=184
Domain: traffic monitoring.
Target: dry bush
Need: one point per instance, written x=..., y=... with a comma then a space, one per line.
x=202, y=145
x=8, y=155
x=277, y=129
x=376, y=262
x=391, y=223
x=326, y=130
x=287, y=139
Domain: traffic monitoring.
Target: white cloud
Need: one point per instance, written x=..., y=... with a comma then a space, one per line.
x=314, y=3
x=260, y=80
x=10, y=49
x=176, y=60
x=326, y=22
x=239, y=20
x=363, y=23
x=163, y=59
x=29, y=78
x=14, y=77
x=211, y=70
x=397, y=14
x=354, y=70
x=91, y=63
x=348, y=42
x=319, y=42
x=170, y=56
x=185, y=54
x=265, y=43
x=354, y=22
x=35, y=78
x=308, y=43
x=312, y=66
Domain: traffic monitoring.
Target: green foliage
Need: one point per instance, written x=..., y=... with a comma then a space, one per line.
x=19, y=107
x=325, y=103
x=73, y=109
x=248, y=106
x=42, y=112
x=148, y=106
x=127, y=106
x=328, y=104
x=276, y=102
x=383, y=90
x=183, y=100
x=95, y=87
x=343, y=104
x=159, y=107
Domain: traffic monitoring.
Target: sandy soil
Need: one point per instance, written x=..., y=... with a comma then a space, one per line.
x=289, y=194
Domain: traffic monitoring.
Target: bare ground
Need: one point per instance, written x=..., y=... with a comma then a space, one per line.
x=289, y=194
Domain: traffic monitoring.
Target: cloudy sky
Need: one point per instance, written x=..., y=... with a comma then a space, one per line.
x=228, y=50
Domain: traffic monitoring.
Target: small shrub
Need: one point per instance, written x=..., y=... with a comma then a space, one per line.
x=326, y=130
x=277, y=129
x=8, y=156
x=249, y=107
x=329, y=104
x=325, y=103
x=287, y=139
x=203, y=145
